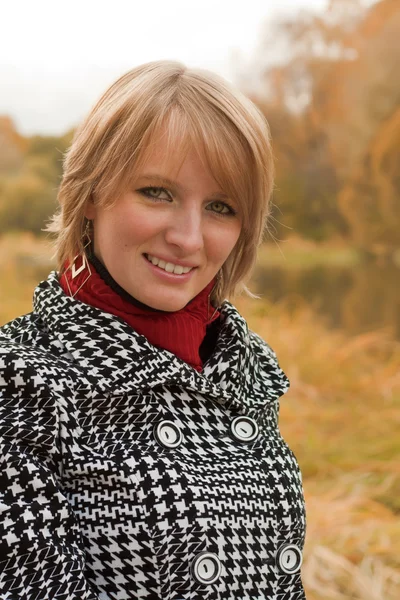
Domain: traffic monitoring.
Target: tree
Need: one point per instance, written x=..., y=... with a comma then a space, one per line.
x=370, y=201
x=326, y=103
x=12, y=146
x=28, y=188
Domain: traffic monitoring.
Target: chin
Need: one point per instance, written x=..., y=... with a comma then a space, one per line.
x=169, y=306
x=165, y=304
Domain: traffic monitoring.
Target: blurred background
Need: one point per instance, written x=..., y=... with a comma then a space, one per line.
x=326, y=75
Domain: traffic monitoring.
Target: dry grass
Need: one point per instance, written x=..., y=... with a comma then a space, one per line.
x=24, y=261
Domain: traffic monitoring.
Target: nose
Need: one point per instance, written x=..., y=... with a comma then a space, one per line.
x=185, y=230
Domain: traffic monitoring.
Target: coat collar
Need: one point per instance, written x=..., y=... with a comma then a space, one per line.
x=117, y=359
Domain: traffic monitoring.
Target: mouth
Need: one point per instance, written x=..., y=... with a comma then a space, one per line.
x=168, y=267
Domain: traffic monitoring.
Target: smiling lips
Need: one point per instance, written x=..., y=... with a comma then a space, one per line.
x=167, y=266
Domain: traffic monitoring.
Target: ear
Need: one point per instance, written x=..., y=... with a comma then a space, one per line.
x=90, y=210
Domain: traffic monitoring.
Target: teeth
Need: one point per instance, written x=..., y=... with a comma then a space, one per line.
x=169, y=267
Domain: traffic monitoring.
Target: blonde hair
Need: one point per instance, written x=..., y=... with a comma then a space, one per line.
x=199, y=108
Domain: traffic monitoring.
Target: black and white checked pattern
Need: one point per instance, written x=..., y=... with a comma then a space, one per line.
x=92, y=507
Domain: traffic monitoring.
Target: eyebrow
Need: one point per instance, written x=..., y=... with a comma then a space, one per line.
x=173, y=184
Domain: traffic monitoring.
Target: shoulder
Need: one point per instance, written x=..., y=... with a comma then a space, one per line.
x=260, y=346
x=265, y=375
x=20, y=330
x=29, y=358
x=239, y=325
x=33, y=384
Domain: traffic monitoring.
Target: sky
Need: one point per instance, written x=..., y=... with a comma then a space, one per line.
x=58, y=56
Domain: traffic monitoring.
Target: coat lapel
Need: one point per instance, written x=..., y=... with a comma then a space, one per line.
x=116, y=359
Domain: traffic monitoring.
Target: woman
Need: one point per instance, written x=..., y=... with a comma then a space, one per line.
x=141, y=455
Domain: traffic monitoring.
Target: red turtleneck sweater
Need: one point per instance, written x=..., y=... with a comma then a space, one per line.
x=181, y=332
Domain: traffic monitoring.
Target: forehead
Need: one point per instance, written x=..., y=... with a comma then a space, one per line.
x=168, y=148
x=185, y=168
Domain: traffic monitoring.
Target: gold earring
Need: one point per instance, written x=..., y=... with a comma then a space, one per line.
x=76, y=270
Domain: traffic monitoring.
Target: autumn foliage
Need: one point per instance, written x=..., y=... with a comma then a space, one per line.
x=333, y=108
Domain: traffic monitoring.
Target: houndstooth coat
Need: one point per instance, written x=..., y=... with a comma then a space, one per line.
x=126, y=474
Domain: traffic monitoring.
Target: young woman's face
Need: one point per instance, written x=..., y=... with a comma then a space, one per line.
x=163, y=227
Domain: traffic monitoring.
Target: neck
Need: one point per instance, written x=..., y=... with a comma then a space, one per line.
x=185, y=333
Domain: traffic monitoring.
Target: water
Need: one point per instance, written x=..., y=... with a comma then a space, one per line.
x=358, y=300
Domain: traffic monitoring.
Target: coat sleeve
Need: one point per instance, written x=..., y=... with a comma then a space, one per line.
x=41, y=549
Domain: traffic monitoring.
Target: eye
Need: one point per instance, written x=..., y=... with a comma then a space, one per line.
x=222, y=208
x=155, y=193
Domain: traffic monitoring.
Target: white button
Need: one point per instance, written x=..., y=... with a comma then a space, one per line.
x=244, y=429
x=206, y=567
x=289, y=558
x=168, y=434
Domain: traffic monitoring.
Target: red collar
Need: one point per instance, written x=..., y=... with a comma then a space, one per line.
x=181, y=332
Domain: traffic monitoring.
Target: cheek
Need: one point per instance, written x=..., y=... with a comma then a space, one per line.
x=126, y=229
x=224, y=243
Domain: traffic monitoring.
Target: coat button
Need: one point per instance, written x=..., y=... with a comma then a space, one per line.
x=206, y=568
x=168, y=434
x=244, y=429
x=289, y=558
